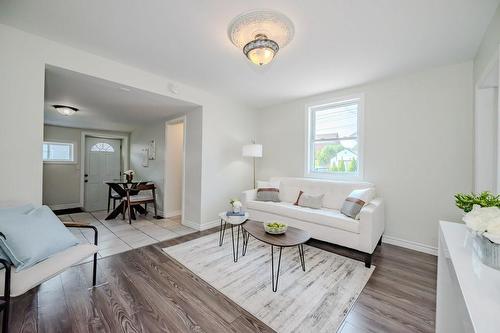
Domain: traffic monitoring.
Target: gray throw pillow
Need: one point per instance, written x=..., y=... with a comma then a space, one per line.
x=34, y=237
x=268, y=194
x=352, y=207
x=311, y=201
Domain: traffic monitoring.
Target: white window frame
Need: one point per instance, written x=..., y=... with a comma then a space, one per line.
x=73, y=154
x=309, y=149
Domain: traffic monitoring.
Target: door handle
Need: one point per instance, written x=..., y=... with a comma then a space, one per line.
x=86, y=180
x=86, y=175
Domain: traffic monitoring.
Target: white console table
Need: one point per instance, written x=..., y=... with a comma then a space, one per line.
x=468, y=292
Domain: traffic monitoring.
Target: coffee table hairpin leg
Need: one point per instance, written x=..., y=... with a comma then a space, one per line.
x=222, y=231
x=301, y=255
x=235, y=251
x=246, y=236
x=275, y=283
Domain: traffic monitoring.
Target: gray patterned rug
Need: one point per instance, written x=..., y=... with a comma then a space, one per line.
x=313, y=301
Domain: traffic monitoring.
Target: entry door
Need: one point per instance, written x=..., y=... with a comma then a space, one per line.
x=102, y=162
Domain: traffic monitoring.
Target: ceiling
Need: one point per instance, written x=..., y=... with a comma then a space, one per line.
x=103, y=104
x=338, y=43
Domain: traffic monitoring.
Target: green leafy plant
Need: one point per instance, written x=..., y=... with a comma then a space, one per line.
x=485, y=199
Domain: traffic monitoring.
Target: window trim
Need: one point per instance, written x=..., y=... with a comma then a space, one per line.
x=73, y=152
x=309, y=130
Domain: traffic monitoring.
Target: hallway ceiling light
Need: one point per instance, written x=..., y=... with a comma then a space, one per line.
x=260, y=34
x=65, y=110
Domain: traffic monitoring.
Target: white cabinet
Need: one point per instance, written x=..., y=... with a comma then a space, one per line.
x=468, y=292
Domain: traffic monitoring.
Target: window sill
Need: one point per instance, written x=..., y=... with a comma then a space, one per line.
x=333, y=176
x=60, y=162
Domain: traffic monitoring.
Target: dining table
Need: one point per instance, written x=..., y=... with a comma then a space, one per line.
x=121, y=186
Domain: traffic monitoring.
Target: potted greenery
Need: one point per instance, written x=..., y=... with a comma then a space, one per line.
x=482, y=218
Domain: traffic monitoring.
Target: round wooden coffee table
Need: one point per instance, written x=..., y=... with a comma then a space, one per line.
x=292, y=237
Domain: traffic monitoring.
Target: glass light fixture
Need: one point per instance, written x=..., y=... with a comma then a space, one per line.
x=65, y=110
x=261, y=34
x=261, y=50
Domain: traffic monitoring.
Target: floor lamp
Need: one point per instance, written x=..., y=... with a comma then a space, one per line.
x=254, y=150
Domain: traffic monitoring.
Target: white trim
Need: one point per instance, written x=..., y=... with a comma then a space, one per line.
x=124, y=152
x=172, y=214
x=201, y=227
x=410, y=245
x=183, y=120
x=361, y=130
x=65, y=206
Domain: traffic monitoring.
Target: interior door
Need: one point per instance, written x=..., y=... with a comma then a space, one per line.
x=102, y=162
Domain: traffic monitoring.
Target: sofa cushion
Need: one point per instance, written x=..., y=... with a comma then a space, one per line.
x=326, y=217
x=335, y=191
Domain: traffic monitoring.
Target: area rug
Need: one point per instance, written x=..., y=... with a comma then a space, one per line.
x=316, y=300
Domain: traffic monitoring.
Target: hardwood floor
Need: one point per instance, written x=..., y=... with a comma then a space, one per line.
x=148, y=292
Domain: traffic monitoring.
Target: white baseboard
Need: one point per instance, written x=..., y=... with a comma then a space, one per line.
x=65, y=206
x=410, y=245
x=201, y=227
x=171, y=214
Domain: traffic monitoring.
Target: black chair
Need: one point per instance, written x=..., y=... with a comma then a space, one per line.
x=112, y=195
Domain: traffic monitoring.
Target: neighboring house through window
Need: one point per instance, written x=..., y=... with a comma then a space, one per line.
x=335, y=138
x=58, y=152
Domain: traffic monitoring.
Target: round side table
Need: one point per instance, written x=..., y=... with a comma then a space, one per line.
x=233, y=221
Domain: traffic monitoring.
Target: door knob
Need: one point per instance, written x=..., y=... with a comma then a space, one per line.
x=86, y=180
x=86, y=175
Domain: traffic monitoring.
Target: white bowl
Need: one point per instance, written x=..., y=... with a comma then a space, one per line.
x=275, y=231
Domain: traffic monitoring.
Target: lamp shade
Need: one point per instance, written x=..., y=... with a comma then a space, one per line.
x=253, y=150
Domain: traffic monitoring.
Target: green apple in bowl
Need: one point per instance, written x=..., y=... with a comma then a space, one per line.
x=275, y=227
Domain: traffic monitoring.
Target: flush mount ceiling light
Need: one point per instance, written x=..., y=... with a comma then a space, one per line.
x=65, y=110
x=260, y=34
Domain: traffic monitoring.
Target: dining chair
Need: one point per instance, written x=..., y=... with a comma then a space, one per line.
x=139, y=199
x=112, y=195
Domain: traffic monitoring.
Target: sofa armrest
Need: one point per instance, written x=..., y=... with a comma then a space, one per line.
x=371, y=224
x=248, y=195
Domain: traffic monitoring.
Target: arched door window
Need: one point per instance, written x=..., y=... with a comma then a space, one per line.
x=103, y=147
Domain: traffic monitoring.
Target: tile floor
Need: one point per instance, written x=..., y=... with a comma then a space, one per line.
x=116, y=236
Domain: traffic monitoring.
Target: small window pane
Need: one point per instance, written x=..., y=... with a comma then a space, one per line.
x=336, y=122
x=57, y=152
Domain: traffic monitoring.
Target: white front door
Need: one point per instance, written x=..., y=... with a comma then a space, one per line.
x=102, y=162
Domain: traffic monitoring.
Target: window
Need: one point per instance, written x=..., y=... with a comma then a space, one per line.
x=60, y=152
x=334, y=143
x=102, y=146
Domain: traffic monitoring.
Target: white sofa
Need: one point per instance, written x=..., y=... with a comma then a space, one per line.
x=326, y=224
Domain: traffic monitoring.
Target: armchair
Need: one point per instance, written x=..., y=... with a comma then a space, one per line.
x=14, y=283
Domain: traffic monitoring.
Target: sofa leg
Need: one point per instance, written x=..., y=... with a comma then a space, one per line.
x=368, y=260
x=380, y=241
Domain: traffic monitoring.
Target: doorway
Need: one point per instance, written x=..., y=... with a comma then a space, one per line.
x=174, y=168
x=103, y=161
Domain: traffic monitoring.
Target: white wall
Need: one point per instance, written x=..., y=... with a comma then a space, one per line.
x=61, y=182
x=418, y=145
x=173, y=168
x=485, y=139
x=219, y=171
x=154, y=172
x=486, y=110
x=488, y=48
